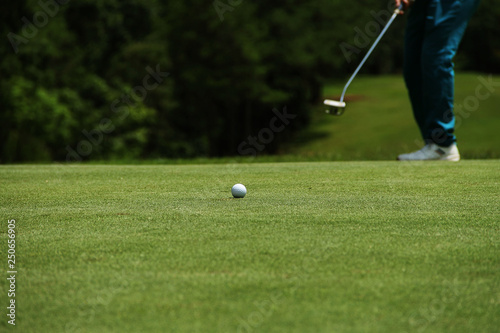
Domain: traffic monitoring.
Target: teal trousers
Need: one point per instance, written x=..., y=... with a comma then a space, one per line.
x=433, y=34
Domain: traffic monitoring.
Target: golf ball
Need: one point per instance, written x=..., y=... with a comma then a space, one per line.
x=239, y=191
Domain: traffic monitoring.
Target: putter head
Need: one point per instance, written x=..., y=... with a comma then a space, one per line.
x=335, y=108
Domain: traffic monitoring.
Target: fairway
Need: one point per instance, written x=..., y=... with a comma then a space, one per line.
x=313, y=247
x=378, y=123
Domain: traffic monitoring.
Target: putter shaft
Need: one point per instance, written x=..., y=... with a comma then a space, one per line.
x=396, y=13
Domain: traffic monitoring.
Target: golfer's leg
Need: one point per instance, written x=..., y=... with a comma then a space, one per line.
x=414, y=38
x=445, y=26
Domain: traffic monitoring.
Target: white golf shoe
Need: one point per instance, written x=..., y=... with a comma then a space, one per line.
x=433, y=152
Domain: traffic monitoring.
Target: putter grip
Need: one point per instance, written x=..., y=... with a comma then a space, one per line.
x=400, y=8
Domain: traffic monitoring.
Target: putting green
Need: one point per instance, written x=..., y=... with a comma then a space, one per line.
x=313, y=247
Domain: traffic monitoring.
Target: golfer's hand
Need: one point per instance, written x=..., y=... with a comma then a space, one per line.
x=406, y=4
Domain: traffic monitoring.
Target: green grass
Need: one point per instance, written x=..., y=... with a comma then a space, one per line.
x=378, y=123
x=314, y=247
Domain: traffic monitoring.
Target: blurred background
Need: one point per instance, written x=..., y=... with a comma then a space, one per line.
x=150, y=79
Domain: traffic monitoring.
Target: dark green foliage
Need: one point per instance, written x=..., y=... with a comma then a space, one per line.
x=480, y=49
x=75, y=82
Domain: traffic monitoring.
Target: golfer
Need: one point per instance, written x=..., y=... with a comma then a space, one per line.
x=433, y=33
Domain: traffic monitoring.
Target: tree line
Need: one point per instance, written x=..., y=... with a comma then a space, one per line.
x=128, y=79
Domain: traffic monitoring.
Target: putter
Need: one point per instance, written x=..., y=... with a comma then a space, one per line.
x=337, y=108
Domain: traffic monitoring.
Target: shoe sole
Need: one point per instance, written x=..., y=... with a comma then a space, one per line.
x=453, y=158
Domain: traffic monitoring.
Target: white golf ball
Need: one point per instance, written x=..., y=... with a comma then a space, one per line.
x=239, y=191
